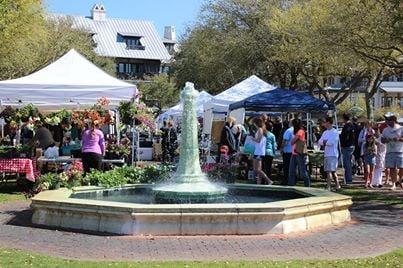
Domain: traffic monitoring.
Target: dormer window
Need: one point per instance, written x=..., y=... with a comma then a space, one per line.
x=133, y=43
x=132, y=40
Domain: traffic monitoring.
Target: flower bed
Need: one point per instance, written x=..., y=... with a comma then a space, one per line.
x=73, y=176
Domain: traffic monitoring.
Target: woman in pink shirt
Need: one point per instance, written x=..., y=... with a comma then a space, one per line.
x=93, y=147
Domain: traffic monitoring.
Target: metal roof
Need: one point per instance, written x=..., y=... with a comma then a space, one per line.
x=111, y=44
x=392, y=87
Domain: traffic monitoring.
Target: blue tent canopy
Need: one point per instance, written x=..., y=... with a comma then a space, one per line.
x=282, y=100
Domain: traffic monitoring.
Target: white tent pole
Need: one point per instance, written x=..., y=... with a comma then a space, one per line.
x=339, y=147
x=117, y=124
x=2, y=119
x=134, y=143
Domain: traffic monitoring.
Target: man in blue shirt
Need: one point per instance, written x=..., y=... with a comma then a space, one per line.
x=286, y=149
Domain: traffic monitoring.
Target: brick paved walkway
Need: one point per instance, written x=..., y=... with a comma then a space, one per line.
x=375, y=229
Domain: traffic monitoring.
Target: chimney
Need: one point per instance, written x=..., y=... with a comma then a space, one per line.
x=169, y=33
x=98, y=12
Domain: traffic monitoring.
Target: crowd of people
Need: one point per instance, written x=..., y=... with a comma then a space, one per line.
x=60, y=140
x=264, y=137
x=368, y=149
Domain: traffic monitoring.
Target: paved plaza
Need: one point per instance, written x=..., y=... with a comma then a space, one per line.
x=374, y=230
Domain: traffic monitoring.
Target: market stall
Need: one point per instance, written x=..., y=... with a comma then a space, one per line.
x=70, y=82
x=176, y=111
x=284, y=101
x=62, y=96
x=217, y=108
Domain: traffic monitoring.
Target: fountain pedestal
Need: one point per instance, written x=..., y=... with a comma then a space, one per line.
x=190, y=184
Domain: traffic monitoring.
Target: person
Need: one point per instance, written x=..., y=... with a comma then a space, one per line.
x=271, y=147
x=52, y=151
x=368, y=153
x=43, y=137
x=165, y=141
x=330, y=141
x=365, y=131
x=227, y=137
x=357, y=148
x=277, y=129
x=347, y=143
x=26, y=132
x=93, y=147
x=259, y=153
x=172, y=141
x=299, y=155
x=380, y=159
x=392, y=136
x=286, y=149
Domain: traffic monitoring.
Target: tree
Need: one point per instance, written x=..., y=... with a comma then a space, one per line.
x=161, y=89
x=21, y=32
x=31, y=40
x=348, y=38
x=229, y=43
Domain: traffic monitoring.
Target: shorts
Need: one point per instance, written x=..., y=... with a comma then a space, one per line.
x=394, y=160
x=330, y=163
x=258, y=157
x=370, y=159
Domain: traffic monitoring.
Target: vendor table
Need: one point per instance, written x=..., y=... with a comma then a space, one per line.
x=68, y=159
x=18, y=165
x=58, y=160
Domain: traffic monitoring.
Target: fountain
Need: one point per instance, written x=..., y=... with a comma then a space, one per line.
x=189, y=204
x=189, y=185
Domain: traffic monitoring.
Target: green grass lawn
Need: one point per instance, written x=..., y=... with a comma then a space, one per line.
x=388, y=198
x=16, y=258
x=9, y=192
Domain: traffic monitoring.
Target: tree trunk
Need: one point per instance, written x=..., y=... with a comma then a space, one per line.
x=370, y=91
x=370, y=107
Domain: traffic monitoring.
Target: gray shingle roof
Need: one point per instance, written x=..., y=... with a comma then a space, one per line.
x=392, y=87
x=111, y=44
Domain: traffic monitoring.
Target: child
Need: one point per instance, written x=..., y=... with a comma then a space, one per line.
x=368, y=153
x=52, y=151
x=380, y=159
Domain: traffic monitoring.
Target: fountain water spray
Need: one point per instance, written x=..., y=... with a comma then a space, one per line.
x=190, y=184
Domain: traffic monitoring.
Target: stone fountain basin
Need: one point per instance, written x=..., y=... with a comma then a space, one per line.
x=318, y=208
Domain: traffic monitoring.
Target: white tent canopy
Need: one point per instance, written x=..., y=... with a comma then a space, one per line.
x=177, y=110
x=220, y=103
x=70, y=81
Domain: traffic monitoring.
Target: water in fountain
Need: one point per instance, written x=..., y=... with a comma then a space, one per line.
x=190, y=184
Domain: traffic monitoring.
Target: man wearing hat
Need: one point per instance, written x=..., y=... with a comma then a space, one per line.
x=392, y=136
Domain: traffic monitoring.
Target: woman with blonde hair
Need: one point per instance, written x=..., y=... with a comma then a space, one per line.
x=93, y=147
x=260, y=151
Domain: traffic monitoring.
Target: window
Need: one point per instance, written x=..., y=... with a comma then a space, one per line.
x=134, y=43
x=129, y=68
x=120, y=68
x=387, y=101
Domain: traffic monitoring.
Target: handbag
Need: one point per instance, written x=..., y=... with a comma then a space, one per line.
x=300, y=147
x=249, y=147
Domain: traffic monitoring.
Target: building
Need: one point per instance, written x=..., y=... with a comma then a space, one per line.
x=389, y=93
x=135, y=45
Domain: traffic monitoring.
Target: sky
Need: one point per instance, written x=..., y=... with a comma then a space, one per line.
x=178, y=13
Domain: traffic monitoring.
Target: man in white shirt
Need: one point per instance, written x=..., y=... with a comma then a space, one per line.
x=392, y=136
x=330, y=140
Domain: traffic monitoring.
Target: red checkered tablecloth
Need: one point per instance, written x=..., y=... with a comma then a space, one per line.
x=18, y=165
